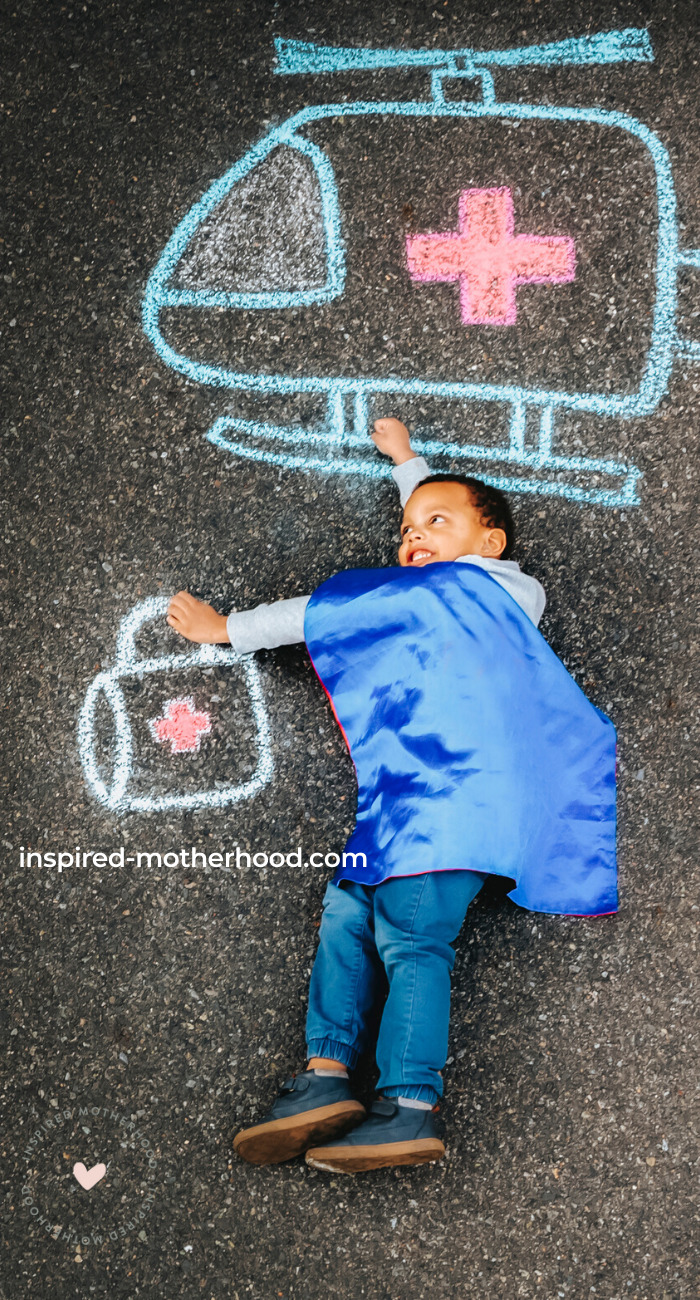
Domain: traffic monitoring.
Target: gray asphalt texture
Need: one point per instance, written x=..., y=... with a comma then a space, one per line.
x=175, y=998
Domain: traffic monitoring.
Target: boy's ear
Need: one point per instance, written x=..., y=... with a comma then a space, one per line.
x=494, y=543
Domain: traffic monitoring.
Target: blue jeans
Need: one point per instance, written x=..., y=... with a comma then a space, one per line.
x=400, y=931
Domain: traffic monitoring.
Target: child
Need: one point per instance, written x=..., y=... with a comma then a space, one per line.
x=475, y=754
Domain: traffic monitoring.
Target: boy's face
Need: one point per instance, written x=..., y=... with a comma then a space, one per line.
x=440, y=523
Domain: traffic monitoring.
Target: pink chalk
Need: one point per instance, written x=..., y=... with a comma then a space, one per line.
x=182, y=725
x=487, y=259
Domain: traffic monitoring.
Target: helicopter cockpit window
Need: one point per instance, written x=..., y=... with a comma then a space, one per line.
x=265, y=235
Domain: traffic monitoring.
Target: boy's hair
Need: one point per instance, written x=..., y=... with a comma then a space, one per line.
x=491, y=503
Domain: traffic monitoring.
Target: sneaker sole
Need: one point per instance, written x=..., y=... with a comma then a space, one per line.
x=355, y=1160
x=282, y=1139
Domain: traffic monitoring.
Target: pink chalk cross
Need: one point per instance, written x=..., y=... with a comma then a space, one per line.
x=182, y=725
x=487, y=259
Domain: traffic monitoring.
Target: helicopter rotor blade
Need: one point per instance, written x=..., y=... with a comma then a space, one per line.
x=631, y=44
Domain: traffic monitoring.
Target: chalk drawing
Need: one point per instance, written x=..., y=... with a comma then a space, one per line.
x=185, y=277
x=182, y=723
x=267, y=234
x=487, y=260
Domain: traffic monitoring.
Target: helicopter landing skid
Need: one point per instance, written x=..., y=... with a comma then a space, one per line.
x=335, y=447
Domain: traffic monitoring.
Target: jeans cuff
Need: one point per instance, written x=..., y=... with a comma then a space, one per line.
x=415, y=1091
x=332, y=1050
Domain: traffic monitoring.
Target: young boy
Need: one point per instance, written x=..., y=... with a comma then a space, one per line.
x=475, y=754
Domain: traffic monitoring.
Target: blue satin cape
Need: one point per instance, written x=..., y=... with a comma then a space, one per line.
x=473, y=746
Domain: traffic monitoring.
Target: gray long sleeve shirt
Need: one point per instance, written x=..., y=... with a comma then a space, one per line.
x=282, y=622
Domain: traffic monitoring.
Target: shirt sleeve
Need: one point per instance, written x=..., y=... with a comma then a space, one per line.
x=268, y=625
x=409, y=475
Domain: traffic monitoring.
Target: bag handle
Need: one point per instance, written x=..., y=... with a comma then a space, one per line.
x=155, y=607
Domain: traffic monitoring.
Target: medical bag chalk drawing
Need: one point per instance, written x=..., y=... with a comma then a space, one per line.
x=267, y=249
x=182, y=724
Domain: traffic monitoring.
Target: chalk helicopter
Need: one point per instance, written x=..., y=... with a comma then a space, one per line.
x=366, y=250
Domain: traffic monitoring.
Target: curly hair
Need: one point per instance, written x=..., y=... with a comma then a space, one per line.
x=491, y=503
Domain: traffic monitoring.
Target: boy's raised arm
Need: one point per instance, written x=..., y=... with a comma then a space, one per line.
x=392, y=438
x=408, y=475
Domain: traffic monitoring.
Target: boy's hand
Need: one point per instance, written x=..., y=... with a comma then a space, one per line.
x=392, y=437
x=196, y=620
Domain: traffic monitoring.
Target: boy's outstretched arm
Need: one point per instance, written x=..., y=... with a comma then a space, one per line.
x=196, y=620
x=263, y=628
x=392, y=437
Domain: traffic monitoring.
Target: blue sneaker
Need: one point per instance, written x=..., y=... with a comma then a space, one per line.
x=391, y=1135
x=309, y=1108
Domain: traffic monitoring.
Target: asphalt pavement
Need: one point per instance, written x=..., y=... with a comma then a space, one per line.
x=153, y=1004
